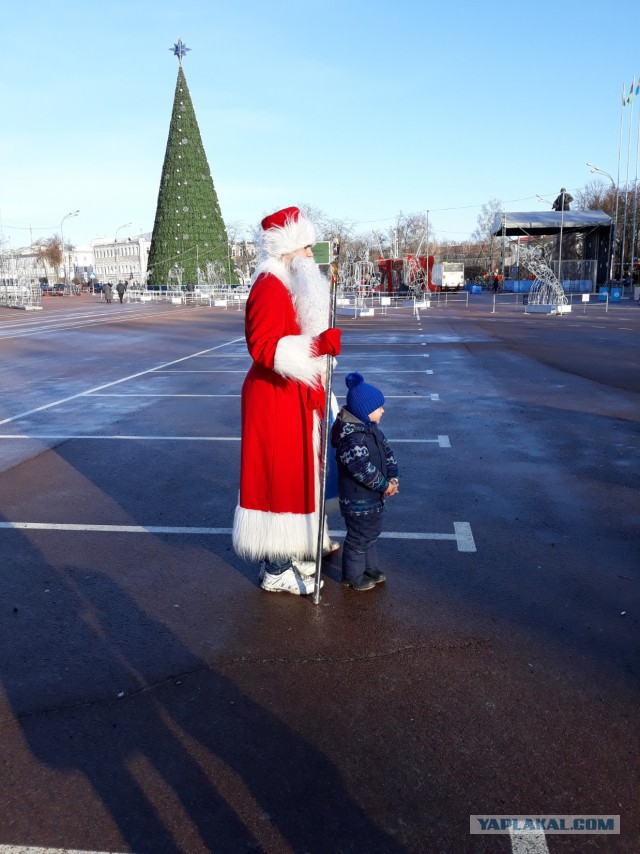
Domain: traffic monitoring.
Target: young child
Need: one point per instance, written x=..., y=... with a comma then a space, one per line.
x=367, y=474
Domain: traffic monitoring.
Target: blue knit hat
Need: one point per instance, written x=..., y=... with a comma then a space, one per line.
x=362, y=398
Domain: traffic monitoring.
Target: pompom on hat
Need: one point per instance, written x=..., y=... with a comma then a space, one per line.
x=362, y=398
x=285, y=231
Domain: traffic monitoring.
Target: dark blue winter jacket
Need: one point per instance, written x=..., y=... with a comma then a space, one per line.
x=365, y=464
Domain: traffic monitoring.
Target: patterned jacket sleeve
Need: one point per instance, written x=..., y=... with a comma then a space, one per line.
x=354, y=454
x=392, y=465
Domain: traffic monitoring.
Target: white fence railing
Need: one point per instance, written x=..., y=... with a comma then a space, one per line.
x=21, y=296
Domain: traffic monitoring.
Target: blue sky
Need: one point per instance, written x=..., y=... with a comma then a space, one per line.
x=360, y=109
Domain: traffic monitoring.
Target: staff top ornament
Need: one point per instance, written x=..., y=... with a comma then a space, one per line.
x=179, y=49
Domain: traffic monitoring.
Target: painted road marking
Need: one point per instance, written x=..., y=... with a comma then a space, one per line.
x=66, y=327
x=412, y=397
x=136, y=394
x=223, y=371
x=22, y=849
x=384, y=371
x=462, y=531
x=351, y=348
x=109, y=385
x=442, y=441
x=60, y=437
x=533, y=842
x=144, y=394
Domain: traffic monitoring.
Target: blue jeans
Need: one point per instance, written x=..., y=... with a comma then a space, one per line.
x=359, y=551
x=276, y=567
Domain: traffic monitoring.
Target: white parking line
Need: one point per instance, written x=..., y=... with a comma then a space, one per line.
x=529, y=843
x=66, y=326
x=462, y=535
x=23, y=849
x=109, y=385
x=442, y=441
x=223, y=371
x=350, y=354
x=136, y=394
x=66, y=438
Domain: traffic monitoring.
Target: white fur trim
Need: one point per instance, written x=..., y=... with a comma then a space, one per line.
x=295, y=234
x=277, y=268
x=293, y=359
x=258, y=534
x=311, y=295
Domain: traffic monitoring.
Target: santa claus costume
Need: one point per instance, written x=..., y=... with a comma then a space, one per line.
x=276, y=520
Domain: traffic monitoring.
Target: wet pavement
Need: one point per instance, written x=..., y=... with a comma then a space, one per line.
x=154, y=699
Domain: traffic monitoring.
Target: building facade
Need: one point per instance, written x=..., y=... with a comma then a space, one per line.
x=121, y=260
x=243, y=256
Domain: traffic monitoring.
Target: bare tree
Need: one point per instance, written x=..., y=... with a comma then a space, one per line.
x=328, y=227
x=596, y=196
x=49, y=252
x=482, y=234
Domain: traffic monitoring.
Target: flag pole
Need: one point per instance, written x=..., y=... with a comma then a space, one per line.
x=615, y=218
x=635, y=189
x=325, y=449
x=626, y=187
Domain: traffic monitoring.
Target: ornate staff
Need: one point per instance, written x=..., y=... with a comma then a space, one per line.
x=325, y=448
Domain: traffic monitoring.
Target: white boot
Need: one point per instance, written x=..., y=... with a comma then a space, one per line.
x=306, y=568
x=288, y=581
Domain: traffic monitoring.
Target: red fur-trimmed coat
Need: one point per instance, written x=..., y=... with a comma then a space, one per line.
x=276, y=516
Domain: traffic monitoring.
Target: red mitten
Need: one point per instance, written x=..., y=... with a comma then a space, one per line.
x=315, y=397
x=327, y=343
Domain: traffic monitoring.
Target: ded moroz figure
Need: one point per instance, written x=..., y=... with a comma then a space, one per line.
x=286, y=320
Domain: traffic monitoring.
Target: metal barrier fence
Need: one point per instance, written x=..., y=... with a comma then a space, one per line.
x=361, y=303
x=21, y=296
x=574, y=300
x=222, y=296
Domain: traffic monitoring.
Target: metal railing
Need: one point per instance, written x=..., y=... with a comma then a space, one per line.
x=21, y=296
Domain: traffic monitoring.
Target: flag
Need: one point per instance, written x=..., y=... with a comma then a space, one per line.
x=630, y=95
x=624, y=98
x=638, y=86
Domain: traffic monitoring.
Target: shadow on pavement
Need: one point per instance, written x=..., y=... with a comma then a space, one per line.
x=184, y=763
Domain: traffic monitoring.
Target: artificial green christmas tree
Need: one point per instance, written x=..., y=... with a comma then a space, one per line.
x=189, y=241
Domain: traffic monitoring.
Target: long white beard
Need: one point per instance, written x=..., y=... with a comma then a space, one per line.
x=311, y=297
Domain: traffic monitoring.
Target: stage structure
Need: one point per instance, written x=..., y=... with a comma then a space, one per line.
x=594, y=228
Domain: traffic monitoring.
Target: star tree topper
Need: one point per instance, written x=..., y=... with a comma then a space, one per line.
x=179, y=49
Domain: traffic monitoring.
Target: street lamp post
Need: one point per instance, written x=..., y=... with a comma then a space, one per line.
x=115, y=250
x=67, y=289
x=612, y=233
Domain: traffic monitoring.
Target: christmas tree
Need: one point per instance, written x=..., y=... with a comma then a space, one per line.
x=189, y=241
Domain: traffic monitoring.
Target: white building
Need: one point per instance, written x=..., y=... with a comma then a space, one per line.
x=243, y=254
x=122, y=260
x=26, y=266
x=79, y=262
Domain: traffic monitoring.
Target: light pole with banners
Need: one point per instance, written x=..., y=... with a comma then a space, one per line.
x=67, y=289
x=612, y=232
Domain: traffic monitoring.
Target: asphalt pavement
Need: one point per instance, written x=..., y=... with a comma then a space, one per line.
x=154, y=699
